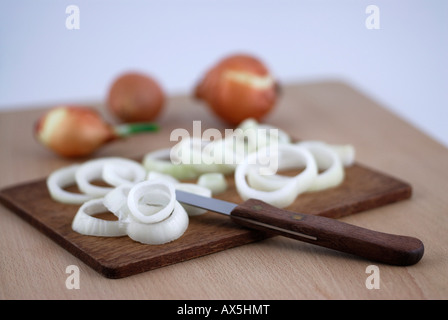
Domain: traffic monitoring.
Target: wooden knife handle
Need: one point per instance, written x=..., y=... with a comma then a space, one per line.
x=330, y=233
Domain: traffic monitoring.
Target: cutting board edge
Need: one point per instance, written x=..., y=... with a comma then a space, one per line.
x=113, y=271
x=47, y=231
x=381, y=199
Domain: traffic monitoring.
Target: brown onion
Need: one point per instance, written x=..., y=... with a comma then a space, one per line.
x=237, y=88
x=135, y=97
x=75, y=131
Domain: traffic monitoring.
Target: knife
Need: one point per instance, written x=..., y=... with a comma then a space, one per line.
x=326, y=232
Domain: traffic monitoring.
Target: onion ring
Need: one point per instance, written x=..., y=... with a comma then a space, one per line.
x=93, y=170
x=155, y=193
x=84, y=223
x=116, y=200
x=167, y=230
x=216, y=182
x=154, y=175
x=159, y=161
x=326, y=159
x=285, y=195
x=62, y=178
x=123, y=171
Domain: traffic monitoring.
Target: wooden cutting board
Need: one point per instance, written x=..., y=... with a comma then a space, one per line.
x=362, y=189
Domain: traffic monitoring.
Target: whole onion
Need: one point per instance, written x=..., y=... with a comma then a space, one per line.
x=237, y=88
x=75, y=131
x=135, y=97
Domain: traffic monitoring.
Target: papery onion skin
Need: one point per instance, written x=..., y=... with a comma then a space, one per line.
x=73, y=131
x=237, y=88
x=135, y=97
x=77, y=131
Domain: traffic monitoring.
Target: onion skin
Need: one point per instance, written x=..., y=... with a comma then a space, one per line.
x=135, y=97
x=235, y=100
x=73, y=131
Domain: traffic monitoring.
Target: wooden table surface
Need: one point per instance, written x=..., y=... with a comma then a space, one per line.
x=34, y=267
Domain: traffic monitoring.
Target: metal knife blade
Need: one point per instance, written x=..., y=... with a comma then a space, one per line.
x=211, y=204
x=226, y=208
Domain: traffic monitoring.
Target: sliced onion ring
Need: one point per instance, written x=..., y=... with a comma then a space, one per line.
x=62, y=178
x=123, y=171
x=189, y=187
x=346, y=153
x=326, y=159
x=116, y=201
x=84, y=223
x=170, y=229
x=158, y=193
x=154, y=175
x=215, y=181
x=93, y=170
x=285, y=195
x=159, y=161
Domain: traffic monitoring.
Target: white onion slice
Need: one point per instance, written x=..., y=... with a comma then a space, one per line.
x=285, y=195
x=84, y=223
x=170, y=229
x=157, y=193
x=116, y=201
x=346, y=153
x=216, y=182
x=265, y=183
x=261, y=135
x=122, y=171
x=196, y=189
x=93, y=170
x=189, y=187
x=148, y=211
x=282, y=136
x=249, y=123
x=154, y=175
x=62, y=178
x=326, y=160
x=159, y=161
x=204, y=156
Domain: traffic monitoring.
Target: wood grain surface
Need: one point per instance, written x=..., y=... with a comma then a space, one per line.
x=33, y=266
x=120, y=257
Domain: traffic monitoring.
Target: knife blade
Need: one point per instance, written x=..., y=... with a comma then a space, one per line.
x=322, y=231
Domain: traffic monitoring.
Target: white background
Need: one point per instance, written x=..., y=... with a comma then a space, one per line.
x=403, y=65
